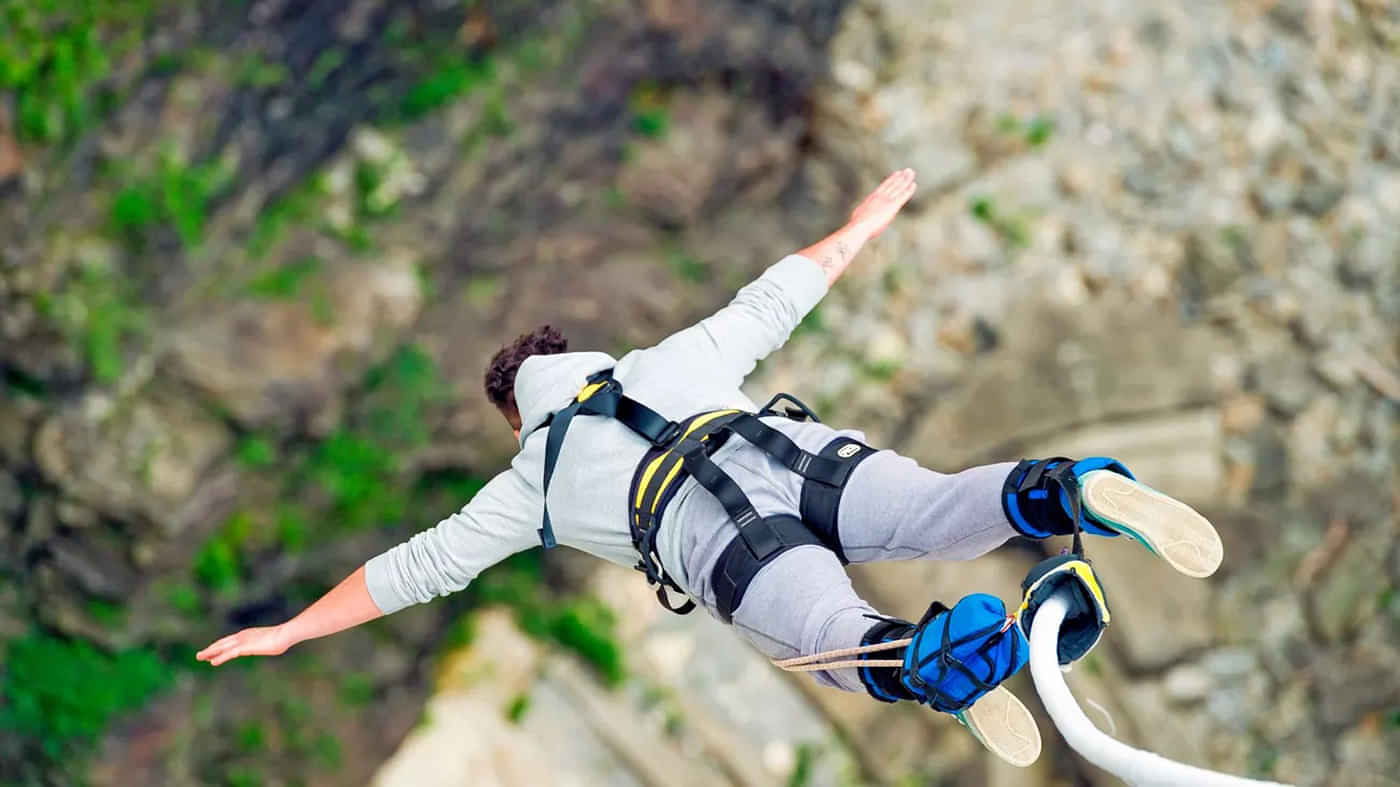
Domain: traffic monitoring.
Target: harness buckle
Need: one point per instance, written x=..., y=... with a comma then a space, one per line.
x=671, y=432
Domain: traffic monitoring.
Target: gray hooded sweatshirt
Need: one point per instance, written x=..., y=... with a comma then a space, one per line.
x=700, y=368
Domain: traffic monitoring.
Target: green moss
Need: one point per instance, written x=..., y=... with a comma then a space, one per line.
x=687, y=267
x=52, y=59
x=293, y=530
x=452, y=76
x=811, y=324
x=175, y=197
x=258, y=72
x=284, y=282
x=1039, y=130
x=882, y=370
x=328, y=751
x=357, y=689
x=801, y=774
x=99, y=314
x=586, y=627
x=652, y=123
x=326, y=63
x=110, y=615
x=255, y=451
x=218, y=566
x=243, y=776
x=184, y=598
x=296, y=206
x=250, y=737
x=647, y=107
x=580, y=624
x=1012, y=229
x=61, y=694
x=516, y=709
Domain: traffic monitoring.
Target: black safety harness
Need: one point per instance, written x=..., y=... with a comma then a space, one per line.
x=681, y=449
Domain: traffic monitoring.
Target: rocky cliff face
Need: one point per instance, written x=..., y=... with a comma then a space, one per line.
x=255, y=257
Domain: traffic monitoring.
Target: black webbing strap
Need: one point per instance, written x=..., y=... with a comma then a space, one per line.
x=554, y=441
x=782, y=448
x=820, y=503
x=1063, y=474
x=739, y=563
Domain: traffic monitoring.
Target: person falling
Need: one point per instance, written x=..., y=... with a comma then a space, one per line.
x=752, y=513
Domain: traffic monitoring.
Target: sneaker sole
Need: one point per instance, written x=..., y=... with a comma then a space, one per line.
x=1001, y=723
x=1168, y=528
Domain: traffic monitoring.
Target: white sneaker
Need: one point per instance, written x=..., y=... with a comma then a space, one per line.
x=1168, y=528
x=1001, y=723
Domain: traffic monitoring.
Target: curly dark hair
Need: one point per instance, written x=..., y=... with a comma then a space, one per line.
x=500, y=375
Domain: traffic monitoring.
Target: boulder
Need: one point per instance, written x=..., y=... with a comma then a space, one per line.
x=147, y=458
x=283, y=364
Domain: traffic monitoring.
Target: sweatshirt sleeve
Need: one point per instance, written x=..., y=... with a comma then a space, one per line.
x=444, y=559
x=756, y=322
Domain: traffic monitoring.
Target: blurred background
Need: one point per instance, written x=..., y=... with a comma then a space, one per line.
x=254, y=256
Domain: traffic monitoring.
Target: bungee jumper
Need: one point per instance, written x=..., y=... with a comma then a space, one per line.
x=657, y=461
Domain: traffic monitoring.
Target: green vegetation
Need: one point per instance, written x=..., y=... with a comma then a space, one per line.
x=357, y=689
x=451, y=76
x=518, y=706
x=687, y=267
x=285, y=281
x=110, y=615
x=176, y=196
x=255, y=451
x=811, y=324
x=328, y=751
x=580, y=624
x=250, y=737
x=53, y=57
x=1012, y=229
x=1036, y=131
x=650, y=117
x=60, y=694
x=258, y=72
x=802, y=770
x=99, y=314
x=296, y=206
x=883, y=369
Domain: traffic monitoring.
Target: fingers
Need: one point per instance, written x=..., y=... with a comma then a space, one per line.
x=230, y=647
x=897, y=182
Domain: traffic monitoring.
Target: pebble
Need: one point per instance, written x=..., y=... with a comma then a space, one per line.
x=1187, y=683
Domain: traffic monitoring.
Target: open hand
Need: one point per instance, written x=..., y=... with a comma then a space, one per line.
x=876, y=211
x=261, y=641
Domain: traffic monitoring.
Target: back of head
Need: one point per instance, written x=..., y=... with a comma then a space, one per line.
x=500, y=374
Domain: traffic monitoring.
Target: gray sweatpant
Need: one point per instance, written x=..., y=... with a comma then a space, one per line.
x=892, y=509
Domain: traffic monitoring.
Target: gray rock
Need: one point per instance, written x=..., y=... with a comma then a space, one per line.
x=1187, y=683
x=146, y=459
x=11, y=497
x=283, y=364
x=97, y=571
x=1284, y=381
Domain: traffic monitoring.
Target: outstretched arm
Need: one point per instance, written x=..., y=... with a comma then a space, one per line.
x=497, y=522
x=834, y=252
x=346, y=605
x=728, y=344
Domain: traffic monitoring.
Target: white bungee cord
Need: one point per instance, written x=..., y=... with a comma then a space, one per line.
x=1136, y=767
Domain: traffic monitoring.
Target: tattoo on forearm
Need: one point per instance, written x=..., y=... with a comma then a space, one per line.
x=835, y=260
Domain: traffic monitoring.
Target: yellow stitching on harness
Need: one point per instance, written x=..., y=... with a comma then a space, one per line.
x=656, y=463
x=646, y=478
x=706, y=418
x=589, y=390
x=665, y=482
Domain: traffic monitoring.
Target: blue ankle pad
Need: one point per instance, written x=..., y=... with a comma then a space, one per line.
x=1092, y=524
x=1032, y=519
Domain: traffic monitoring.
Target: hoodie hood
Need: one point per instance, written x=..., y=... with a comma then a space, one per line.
x=547, y=383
